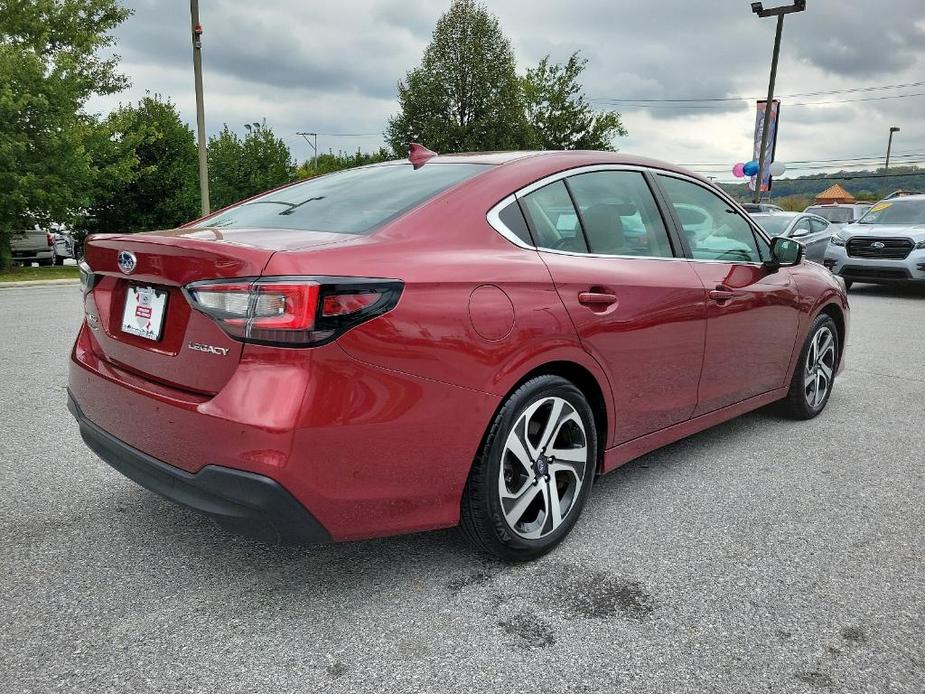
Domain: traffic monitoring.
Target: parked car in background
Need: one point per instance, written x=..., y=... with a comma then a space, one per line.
x=32, y=245
x=887, y=245
x=809, y=229
x=760, y=207
x=464, y=339
x=840, y=214
x=65, y=246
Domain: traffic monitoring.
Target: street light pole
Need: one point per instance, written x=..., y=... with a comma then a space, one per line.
x=200, y=109
x=314, y=146
x=779, y=12
x=889, y=148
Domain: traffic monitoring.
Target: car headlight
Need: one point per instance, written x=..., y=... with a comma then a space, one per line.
x=920, y=245
x=837, y=240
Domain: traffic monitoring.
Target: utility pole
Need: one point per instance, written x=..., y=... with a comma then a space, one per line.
x=200, y=109
x=314, y=146
x=889, y=147
x=779, y=12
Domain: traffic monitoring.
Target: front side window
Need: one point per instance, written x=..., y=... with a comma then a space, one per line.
x=553, y=219
x=619, y=214
x=713, y=228
x=803, y=225
x=819, y=225
x=349, y=202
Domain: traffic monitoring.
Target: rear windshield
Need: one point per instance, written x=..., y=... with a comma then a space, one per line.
x=896, y=212
x=349, y=202
x=838, y=215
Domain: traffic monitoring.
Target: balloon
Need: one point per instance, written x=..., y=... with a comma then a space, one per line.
x=738, y=170
x=778, y=168
x=751, y=168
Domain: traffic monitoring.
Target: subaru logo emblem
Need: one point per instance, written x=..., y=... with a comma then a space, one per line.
x=127, y=262
x=878, y=245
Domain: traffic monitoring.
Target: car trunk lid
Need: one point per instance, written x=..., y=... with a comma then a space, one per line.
x=185, y=349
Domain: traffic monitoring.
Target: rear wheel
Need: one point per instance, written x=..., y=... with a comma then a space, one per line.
x=533, y=473
x=814, y=376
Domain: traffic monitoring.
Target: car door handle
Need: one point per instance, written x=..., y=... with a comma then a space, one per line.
x=596, y=299
x=721, y=296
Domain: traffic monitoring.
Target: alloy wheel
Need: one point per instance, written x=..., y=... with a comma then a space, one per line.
x=543, y=467
x=819, y=368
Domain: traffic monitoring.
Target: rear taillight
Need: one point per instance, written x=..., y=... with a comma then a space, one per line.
x=88, y=280
x=50, y=238
x=292, y=312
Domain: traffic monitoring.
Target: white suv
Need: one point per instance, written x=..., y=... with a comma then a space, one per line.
x=886, y=245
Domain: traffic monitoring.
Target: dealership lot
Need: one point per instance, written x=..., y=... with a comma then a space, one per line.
x=762, y=555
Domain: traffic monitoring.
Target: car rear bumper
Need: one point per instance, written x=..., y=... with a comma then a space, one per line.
x=242, y=502
x=366, y=450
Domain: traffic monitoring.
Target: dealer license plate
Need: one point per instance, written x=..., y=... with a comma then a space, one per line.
x=144, y=312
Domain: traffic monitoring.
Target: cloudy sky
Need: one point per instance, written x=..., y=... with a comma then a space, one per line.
x=332, y=68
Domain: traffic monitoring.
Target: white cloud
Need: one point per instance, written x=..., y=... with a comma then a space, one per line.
x=333, y=69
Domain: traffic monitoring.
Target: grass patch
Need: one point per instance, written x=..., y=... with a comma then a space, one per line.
x=34, y=274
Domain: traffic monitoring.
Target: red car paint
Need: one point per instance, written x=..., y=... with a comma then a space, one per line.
x=375, y=432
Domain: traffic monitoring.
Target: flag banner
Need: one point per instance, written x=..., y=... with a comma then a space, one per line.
x=771, y=149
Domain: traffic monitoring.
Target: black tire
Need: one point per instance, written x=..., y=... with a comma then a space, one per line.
x=483, y=520
x=799, y=404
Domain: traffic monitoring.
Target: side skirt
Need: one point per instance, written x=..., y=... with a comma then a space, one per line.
x=625, y=452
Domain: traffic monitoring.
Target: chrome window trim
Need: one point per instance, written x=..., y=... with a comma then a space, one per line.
x=494, y=219
x=494, y=214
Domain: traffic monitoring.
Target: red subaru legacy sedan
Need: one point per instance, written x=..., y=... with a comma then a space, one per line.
x=455, y=340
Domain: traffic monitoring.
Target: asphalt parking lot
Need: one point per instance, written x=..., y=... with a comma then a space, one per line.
x=759, y=556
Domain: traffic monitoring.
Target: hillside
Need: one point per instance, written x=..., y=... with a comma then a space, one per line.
x=865, y=185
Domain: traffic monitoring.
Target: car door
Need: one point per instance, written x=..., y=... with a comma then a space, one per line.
x=753, y=312
x=818, y=239
x=636, y=302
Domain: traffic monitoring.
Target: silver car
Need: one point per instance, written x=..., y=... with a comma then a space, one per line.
x=810, y=230
x=840, y=213
x=887, y=245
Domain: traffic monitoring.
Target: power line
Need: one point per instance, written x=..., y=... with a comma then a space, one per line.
x=785, y=96
x=874, y=159
x=716, y=108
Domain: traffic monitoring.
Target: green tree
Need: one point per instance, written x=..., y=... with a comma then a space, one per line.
x=465, y=95
x=50, y=64
x=240, y=168
x=558, y=114
x=331, y=162
x=145, y=169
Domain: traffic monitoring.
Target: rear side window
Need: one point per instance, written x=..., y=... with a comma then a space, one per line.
x=619, y=214
x=513, y=218
x=349, y=202
x=553, y=219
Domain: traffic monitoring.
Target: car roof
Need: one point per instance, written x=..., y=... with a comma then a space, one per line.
x=777, y=215
x=919, y=196
x=553, y=160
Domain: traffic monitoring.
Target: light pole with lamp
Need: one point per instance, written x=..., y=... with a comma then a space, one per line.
x=779, y=12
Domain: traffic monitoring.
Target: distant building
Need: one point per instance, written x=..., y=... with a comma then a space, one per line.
x=836, y=195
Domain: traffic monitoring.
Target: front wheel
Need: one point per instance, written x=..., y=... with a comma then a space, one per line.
x=534, y=472
x=814, y=376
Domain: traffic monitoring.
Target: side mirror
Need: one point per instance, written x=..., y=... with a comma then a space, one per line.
x=784, y=253
x=799, y=234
